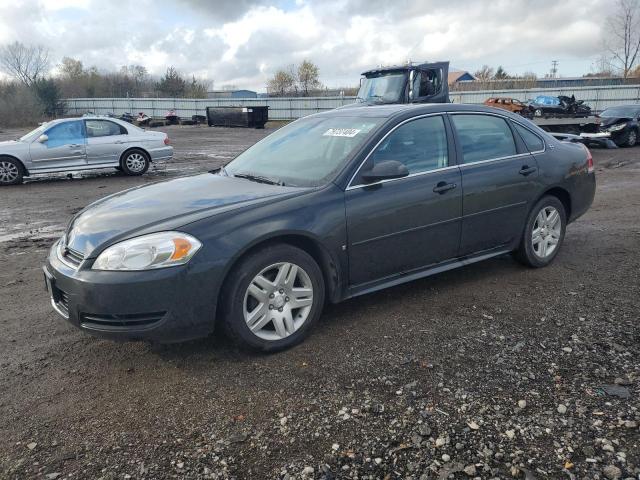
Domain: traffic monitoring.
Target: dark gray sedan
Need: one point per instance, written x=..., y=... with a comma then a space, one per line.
x=329, y=207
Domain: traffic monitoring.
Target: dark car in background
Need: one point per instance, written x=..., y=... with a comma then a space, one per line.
x=544, y=105
x=621, y=123
x=331, y=206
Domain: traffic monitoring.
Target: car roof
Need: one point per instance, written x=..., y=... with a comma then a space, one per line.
x=393, y=110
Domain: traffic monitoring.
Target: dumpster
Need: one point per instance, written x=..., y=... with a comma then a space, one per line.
x=252, y=117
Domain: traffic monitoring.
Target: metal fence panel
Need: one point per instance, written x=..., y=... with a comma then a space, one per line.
x=598, y=98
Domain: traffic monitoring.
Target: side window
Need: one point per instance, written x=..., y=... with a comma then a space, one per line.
x=420, y=144
x=103, y=128
x=533, y=142
x=66, y=133
x=483, y=137
x=427, y=82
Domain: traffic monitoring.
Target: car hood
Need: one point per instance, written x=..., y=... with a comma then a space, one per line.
x=10, y=145
x=608, y=121
x=164, y=206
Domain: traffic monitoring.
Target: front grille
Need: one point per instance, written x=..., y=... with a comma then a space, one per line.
x=72, y=257
x=120, y=322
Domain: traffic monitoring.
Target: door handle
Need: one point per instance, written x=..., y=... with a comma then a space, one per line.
x=443, y=187
x=527, y=170
x=75, y=145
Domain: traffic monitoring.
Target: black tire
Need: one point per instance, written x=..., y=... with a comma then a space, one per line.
x=119, y=169
x=232, y=301
x=11, y=171
x=628, y=138
x=526, y=253
x=133, y=158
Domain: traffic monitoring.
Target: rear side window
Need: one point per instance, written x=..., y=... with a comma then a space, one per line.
x=533, y=142
x=103, y=128
x=483, y=137
x=420, y=144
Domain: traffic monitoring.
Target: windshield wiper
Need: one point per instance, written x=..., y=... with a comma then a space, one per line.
x=258, y=178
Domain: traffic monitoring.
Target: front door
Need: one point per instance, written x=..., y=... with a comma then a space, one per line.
x=498, y=182
x=106, y=140
x=64, y=148
x=402, y=225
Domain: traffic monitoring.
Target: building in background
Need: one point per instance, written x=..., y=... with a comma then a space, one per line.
x=232, y=94
x=459, y=76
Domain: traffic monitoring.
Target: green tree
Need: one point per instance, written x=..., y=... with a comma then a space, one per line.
x=501, y=74
x=48, y=93
x=172, y=84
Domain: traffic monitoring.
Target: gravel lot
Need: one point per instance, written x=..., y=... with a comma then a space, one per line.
x=490, y=371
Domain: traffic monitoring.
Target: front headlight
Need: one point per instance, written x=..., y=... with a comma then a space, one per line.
x=156, y=250
x=615, y=128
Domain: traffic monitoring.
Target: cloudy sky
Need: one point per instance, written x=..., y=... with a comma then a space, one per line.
x=242, y=42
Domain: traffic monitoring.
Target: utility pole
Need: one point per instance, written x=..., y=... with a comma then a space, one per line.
x=554, y=68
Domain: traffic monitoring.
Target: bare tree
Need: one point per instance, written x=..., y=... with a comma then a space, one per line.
x=281, y=83
x=27, y=64
x=623, y=36
x=484, y=74
x=308, y=77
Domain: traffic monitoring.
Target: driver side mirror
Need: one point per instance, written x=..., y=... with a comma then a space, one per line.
x=385, y=171
x=43, y=138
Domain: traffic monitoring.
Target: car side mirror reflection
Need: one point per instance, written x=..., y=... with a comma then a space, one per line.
x=385, y=170
x=43, y=138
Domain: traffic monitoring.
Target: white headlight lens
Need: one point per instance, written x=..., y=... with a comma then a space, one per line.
x=157, y=250
x=615, y=128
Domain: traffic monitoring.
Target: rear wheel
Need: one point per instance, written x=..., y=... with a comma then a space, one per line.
x=273, y=298
x=543, y=233
x=134, y=162
x=11, y=171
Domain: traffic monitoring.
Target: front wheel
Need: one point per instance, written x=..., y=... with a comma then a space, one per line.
x=628, y=139
x=273, y=298
x=543, y=233
x=10, y=171
x=135, y=162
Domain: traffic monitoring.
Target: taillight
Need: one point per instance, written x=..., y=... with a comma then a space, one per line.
x=166, y=140
x=590, y=168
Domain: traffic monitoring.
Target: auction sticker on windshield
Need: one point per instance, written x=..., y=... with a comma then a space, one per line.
x=341, y=132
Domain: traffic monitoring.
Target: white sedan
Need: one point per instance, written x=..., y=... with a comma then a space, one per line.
x=86, y=143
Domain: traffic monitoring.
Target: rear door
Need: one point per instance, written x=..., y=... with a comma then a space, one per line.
x=64, y=148
x=498, y=181
x=402, y=225
x=106, y=140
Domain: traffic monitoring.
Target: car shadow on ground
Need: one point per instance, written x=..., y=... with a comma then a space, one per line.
x=347, y=314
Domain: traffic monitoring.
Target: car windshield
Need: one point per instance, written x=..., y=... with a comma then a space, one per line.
x=305, y=153
x=384, y=88
x=34, y=133
x=620, y=112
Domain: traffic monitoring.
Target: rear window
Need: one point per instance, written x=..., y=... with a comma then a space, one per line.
x=483, y=137
x=533, y=142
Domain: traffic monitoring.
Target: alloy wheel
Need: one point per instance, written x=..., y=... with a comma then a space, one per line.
x=136, y=162
x=546, y=232
x=278, y=301
x=8, y=172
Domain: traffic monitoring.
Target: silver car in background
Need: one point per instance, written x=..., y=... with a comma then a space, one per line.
x=86, y=143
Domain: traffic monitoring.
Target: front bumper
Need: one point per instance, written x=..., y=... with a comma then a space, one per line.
x=165, y=305
x=600, y=139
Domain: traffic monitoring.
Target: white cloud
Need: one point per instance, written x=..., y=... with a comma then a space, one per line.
x=242, y=42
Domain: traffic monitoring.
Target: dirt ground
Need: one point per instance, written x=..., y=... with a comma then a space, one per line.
x=490, y=371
